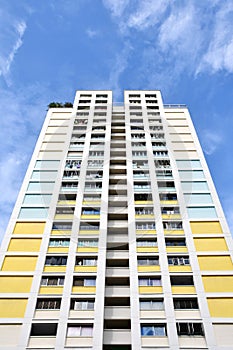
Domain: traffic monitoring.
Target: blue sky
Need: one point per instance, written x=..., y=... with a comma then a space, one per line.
x=49, y=49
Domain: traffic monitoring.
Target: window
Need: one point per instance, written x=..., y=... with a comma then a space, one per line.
x=188, y=164
x=146, y=243
x=158, y=330
x=52, y=281
x=90, y=211
x=178, y=260
x=145, y=226
x=182, y=281
x=44, y=329
x=46, y=164
x=48, y=304
x=170, y=210
x=33, y=213
x=190, y=329
x=82, y=243
x=168, y=196
x=79, y=331
x=147, y=304
x=144, y=211
x=65, y=211
x=191, y=174
x=197, y=198
x=202, y=212
x=150, y=281
x=43, y=199
x=59, y=242
x=82, y=304
x=44, y=175
x=175, y=242
x=86, y=226
x=86, y=261
x=40, y=186
x=180, y=304
x=61, y=227
x=55, y=260
x=148, y=261
x=172, y=225
x=84, y=282
x=189, y=186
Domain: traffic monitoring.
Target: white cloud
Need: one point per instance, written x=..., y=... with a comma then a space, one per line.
x=7, y=59
x=116, y=7
x=176, y=31
x=120, y=64
x=219, y=55
x=148, y=14
x=210, y=141
x=91, y=33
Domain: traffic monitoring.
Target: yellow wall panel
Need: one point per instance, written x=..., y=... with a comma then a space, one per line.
x=29, y=228
x=210, y=244
x=183, y=290
x=220, y=307
x=205, y=227
x=51, y=290
x=218, y=284
x=24, y=245
x=150, y=289
x=215, y=263
x=19, y=263
x=15, y=284
x=12, y=307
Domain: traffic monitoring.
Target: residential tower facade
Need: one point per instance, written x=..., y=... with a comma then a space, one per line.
x=117, y=240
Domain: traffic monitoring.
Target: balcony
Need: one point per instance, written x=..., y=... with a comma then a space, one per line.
x=117, y=337
x=117, y=291
x=117, y=312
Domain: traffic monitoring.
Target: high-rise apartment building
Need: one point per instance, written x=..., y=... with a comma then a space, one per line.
x=117, y=240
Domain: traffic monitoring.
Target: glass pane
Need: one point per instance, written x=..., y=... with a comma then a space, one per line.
x=190, y=186
x=89, y=282
x=43, y=199
x=155, y=282
x=145, y=305
x=202, y=213
x=147, y=331
x=43, y=164
x=157, y=305
x=40, y=186
x=204, y=198
x=44, y=175
x=159, y=331
x=73, y=331
x=33, y=213
x=191, y=175
x=188, y=164
x=86, y=331
x=143, y=281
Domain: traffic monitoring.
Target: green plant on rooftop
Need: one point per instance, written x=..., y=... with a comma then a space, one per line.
x=60, y=105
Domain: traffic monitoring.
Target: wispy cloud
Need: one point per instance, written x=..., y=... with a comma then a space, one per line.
x=148, y=13
x=116, y=7
x=119, y=66
x=91, y=33
x=181, y=34
x=211, y=140
x=219, y=55
x=9, y=52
